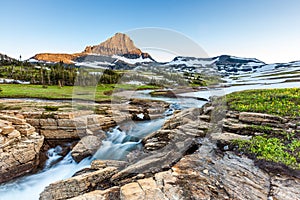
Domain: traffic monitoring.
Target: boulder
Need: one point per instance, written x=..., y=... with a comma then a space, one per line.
x=19, y=153
x=156, y=161
x=86, y=147
x=77, y=185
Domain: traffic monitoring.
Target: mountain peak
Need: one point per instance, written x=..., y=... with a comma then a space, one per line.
x=119, y=44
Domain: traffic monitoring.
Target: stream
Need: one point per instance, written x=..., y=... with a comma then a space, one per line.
x=115, y=147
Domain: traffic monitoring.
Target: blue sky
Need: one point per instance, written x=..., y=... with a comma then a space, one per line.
x=266, y=29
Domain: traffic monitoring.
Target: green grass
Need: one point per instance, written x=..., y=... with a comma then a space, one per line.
x=35, y=91
x=273, y=145
x=260, y=128
x=273, y=149
x=281, y=102
x=67, y=92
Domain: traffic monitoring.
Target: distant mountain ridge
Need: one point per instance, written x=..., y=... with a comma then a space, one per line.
x=120, y=52
x=224, y=65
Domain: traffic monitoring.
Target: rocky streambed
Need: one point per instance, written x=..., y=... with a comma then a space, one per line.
x=190, y=157
x=185, y=159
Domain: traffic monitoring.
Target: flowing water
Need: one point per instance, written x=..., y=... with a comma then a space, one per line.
x=29, y=187
x=117, y=145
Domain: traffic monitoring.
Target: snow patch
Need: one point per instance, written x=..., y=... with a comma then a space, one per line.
x=192, y=62
x=132, y=61
x=95, y=64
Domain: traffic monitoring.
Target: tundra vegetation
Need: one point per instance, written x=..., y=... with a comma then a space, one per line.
x=273, y=145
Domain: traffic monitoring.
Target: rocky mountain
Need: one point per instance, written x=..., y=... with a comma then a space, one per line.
x=118, y=45
x=120, y=52
x=55, y=57
x=224, y=64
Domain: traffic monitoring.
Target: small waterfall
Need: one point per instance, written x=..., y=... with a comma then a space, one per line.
x=53, y=156
x=29, y=187
x=117, y=145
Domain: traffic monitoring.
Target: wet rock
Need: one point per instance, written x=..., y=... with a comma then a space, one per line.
x=140, y=116
x=86, y=147
x=77, y=185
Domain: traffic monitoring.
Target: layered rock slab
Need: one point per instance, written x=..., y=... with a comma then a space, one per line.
x=77, y=185
x=19, y=147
